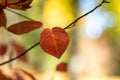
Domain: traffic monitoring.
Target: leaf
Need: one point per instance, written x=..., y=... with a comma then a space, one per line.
x=13, y=1
x=62, y=67
x=18, y=76
x=28, y=74
x=2, y=4
x=4, y=77
x=3, y=49
x=19, y=49
x=19, y=4
x=24, y=27
x=2, y=18
x=22, y=74
x=54, y=41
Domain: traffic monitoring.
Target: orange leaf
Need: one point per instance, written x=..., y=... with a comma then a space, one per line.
x=4, y=77
x=2, y=18
x=62, y=67
x=19, y=4
x=24, y=27
x=54, y=41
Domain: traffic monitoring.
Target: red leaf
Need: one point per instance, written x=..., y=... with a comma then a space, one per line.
x=2, y=18
x=3, y=49
x=24, y=27
x=54, y=41
x=19, y=4
x=19, y=49
x=62, y=67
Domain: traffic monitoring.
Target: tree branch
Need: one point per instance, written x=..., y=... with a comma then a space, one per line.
x=69, y=26
x=18, y=14
x=12, y=59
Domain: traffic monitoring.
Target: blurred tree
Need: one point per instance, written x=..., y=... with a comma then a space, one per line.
x=114, y=33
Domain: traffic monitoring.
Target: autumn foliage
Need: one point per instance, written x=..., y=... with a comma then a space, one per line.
x=54, y=41
x=24, y=27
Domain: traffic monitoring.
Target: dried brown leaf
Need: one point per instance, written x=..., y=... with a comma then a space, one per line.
x=19, y=4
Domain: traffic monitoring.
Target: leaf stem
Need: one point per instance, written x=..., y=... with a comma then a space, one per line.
x=18, y=14
x=69, y=26
x=12, y=59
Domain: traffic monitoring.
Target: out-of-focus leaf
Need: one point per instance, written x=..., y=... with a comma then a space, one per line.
x=62, y=67
x=21, y=74
x=4, y=77
x=19, y=49
x=2, y=18
x=24, y=27
x=28, y=74
x=2, y=4
x=3, y=49
x=18, y=76
x=19, y=4
x=54, y=41
x=12, y=1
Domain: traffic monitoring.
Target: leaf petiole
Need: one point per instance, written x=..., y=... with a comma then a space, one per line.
x=18, y=14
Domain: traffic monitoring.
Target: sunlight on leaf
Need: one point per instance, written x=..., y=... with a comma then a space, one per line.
x=54, y=41
x=4, y=77
x=24, y=27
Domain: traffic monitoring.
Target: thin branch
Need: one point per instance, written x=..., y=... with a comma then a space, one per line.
x=18, y=14
x=104, y=1
x=12, y=59
x=69, y=26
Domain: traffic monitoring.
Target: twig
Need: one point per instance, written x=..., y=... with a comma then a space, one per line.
x=4, y=7
x=104, y=1
x=18, y=14
x=12, y=59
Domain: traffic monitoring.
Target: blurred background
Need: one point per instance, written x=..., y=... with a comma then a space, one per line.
x=93, y=52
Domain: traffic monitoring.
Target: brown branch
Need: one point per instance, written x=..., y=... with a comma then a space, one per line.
x=69, y=26
x=104, y=1
x=12, y=59
x=18, y=14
